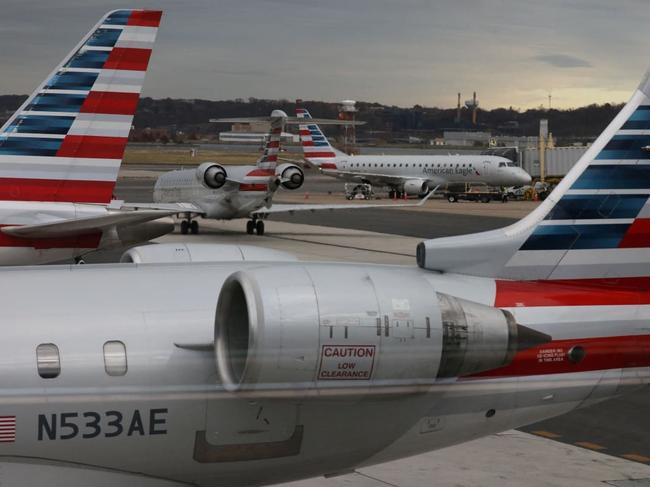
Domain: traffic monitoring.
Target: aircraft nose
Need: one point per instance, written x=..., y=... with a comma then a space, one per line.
x=523, y=178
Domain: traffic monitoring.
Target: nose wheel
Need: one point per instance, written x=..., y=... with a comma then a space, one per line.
x=255, y=226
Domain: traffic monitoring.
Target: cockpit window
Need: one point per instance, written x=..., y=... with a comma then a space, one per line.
x=511, y=164
x=502, y=164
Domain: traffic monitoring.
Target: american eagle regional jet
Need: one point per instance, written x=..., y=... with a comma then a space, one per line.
x=410, y=175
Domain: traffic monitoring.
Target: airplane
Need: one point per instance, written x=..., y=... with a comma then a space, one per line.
x=406, y=175
x=248, y=373
x=227, y=192
x=61, y=151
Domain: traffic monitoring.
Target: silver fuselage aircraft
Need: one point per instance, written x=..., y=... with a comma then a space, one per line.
x=221, y=192
x=255, y=368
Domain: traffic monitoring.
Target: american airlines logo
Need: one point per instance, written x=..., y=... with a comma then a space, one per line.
x=7, y=429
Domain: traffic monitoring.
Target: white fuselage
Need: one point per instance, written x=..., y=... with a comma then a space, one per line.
x=438, y=170
x=168, y=416
x=233, y=200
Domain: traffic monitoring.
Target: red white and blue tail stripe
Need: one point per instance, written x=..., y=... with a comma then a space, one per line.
x=269, y=159
x=66, y=142
x=595, y=224
x=315, y=146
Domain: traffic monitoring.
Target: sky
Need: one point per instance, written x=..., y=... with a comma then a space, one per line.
x=396, y=52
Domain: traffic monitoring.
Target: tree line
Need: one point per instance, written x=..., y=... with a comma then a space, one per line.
x=184, y=119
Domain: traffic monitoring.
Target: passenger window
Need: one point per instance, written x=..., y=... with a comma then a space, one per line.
x=115, y=358
x=48, y=361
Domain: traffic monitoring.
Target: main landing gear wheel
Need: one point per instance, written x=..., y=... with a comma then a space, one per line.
x=259, y=227
x=185, y=226
x=250, y=227
x=194, y=227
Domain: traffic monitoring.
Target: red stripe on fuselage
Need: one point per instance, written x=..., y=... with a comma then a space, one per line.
x=601, y=353
x=64, y=191
x=145, y=18
x=110, y=103
x=261, y=172
x=92, y=146
x=573, y=292
x=130, y=58
x=86, y=241
x=253, y=187
x=328, y=165
x=637, y=236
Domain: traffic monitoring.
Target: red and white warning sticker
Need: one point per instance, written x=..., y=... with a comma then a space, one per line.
x=346, y=362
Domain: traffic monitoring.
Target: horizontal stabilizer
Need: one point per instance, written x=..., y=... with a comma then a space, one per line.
x=81, y=226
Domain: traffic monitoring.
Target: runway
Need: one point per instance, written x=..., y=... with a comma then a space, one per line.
x=354, y=235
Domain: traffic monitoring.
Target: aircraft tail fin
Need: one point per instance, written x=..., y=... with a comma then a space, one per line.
x=315, y=146
x=595, y=223
x=269, y=159
x=66, y=142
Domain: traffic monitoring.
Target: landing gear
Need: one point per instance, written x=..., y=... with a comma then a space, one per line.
x=259, y=227
x=189, y=226
x=255, y=226
x=79, y=260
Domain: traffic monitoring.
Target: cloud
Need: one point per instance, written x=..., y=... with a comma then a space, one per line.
x=563, y=61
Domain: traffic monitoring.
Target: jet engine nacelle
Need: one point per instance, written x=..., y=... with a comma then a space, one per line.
x=289, y=176
x=202, y=252
x=310, y=328
x=211, y=175
x=415, y=186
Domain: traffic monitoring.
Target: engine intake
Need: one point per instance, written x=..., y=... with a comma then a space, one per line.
x=415, y=187
x=314, y=327
x=290, y=176
x=211, y=175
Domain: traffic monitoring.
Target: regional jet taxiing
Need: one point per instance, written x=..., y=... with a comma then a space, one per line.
x=406, y=175
x=227, y=192
x=61, y=151
x=250, y=373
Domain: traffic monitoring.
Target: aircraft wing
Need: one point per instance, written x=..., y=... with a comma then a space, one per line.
x=281, y=208
x=171, y=208
x=80, y=226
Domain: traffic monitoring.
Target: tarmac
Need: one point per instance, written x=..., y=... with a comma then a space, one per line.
x=606, y=444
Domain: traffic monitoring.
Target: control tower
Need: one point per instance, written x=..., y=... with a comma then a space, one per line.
x=347, y=111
